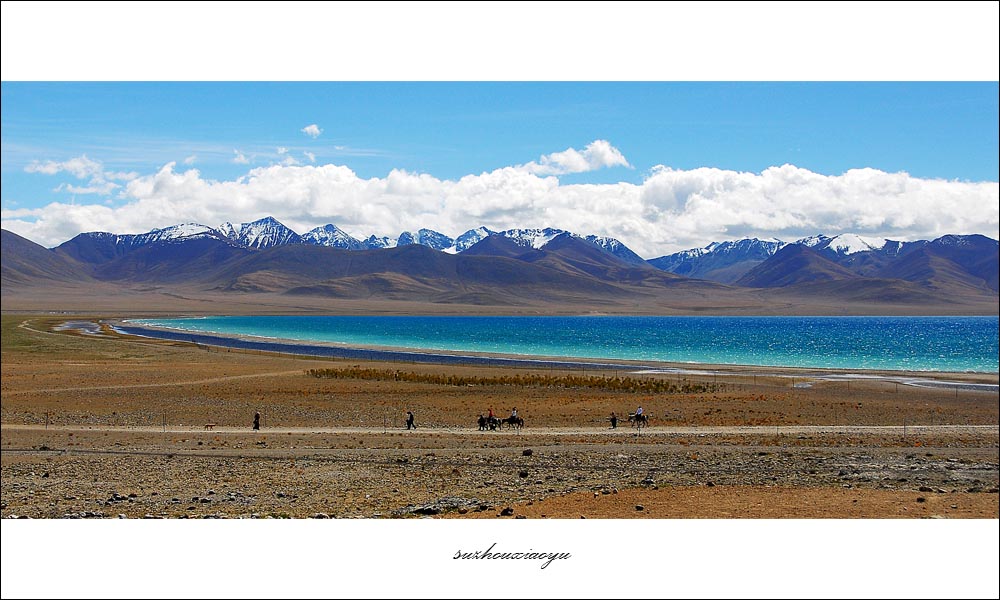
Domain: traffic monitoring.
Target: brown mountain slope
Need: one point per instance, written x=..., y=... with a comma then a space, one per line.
x=26, y=263
x=792, y=265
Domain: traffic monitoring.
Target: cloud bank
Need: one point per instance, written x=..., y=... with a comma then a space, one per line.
x=669, y=210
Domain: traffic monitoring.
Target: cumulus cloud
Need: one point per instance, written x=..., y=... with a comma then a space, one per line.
x=669, y=210
x=310, y=156
x=312, y=131
x=597, y=155
x=239, y=158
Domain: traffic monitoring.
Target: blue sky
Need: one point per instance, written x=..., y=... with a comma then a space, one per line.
x=929, y=130
x=661, y=165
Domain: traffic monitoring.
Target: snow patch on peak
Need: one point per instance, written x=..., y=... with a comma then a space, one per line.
x=331, y=236
x=814, y=240
x=850, y=243
x=844, y=244
x=532, y=238
x=183, y=231
x=469, y=239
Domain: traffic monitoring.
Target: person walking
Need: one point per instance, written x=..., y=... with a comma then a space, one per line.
x=256, y=421
x=409, y=420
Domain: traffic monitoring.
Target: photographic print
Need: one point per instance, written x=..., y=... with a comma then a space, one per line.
x=406, y=303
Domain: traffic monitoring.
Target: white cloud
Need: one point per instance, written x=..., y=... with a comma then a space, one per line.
x=239, y=158
x=597, y=155
x=312, y=131
x=102, y=188
x=190, y=160
x=669, y=211
x=282, y=150
x=310, y=156
x=82, y=167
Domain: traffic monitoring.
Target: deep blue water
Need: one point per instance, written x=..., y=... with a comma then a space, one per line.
x=897, y=343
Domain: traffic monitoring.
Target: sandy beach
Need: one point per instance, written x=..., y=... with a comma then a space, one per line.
x=100, y=425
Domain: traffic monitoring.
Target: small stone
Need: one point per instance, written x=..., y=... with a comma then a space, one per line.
x=640, y=507
x=710, y=484
x=924, y=488
x=921, y=499
x=320, y=515
x=954, y=506
x=122, y=516
x=527, y=452
x=520, y=517
x=507, y=512
x=463, y=510
x=205, y=500
x=522, y=474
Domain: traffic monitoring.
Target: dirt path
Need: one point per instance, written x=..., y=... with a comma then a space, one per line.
x=758, y=430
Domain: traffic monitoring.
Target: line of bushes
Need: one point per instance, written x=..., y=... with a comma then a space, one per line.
x=613, y=384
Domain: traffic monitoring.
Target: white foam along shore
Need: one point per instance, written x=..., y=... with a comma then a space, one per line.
x=925, y=382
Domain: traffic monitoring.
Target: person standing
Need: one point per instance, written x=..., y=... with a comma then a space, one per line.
x=409, y=420
x=256, y=421
x=614, y=420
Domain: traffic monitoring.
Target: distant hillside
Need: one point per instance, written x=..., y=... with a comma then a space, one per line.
x=26, y=263
x=792, y=265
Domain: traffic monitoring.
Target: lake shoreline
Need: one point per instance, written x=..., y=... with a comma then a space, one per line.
x=982, y=381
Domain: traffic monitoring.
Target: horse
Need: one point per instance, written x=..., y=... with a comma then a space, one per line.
x=491, y=423
x=513, y=422
x=638, y=421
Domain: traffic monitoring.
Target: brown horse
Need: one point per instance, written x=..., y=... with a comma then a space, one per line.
x=514, y=422
x=638, y=421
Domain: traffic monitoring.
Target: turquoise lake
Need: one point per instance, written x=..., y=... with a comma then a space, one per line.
x=856, y=343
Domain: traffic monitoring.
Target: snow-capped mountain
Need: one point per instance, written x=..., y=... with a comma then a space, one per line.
x=532, y=238
x=426, y=237
x=724, y=262
x=469, y=239
x=376, y=243
x=843, y=244
x=262, y=233
x=175, y=233
x=332, y=236
x=617, y=248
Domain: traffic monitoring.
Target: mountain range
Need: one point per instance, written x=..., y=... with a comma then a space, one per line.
x=516, y=267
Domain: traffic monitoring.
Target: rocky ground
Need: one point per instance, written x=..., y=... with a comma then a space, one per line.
x=98, y=426
x=81, y=473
